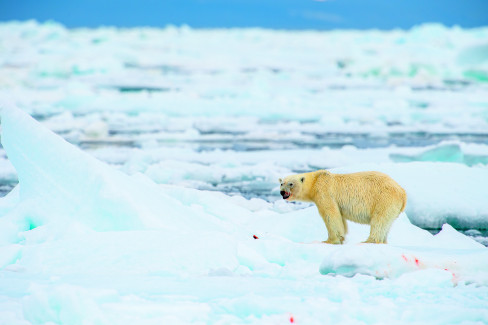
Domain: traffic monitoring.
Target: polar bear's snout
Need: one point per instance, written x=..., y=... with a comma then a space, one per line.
x=285, y=195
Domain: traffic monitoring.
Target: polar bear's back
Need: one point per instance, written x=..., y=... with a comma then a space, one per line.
x=361, y=195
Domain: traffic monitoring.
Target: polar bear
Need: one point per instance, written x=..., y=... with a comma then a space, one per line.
x=370, y=198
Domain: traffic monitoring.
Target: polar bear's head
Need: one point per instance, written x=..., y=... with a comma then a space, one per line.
x=291, y=187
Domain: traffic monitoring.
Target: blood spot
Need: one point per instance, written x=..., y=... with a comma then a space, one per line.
x=292, y=320
x=255, y=237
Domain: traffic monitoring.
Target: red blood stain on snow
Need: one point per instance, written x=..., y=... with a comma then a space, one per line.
x=292, y=320
x=415, y=260
x=455, y=277
x=255, y=237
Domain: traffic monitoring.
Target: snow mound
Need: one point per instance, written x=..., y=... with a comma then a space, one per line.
x=466, y=264
x=62, y=182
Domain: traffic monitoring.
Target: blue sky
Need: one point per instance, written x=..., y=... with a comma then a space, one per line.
x=284, y=14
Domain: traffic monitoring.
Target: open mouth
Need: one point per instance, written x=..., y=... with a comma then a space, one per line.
x=285, y=195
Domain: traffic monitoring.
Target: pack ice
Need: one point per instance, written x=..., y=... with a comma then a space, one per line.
x=83, y=243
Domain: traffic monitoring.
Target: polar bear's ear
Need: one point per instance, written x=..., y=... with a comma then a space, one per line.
x=280, y=180
x=302, y=179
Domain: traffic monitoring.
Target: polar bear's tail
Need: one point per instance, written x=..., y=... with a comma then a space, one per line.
x=404, y=201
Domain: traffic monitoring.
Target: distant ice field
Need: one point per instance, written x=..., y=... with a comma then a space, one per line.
x=233, y=110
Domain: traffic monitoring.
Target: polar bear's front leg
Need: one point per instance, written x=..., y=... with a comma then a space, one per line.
x=334, y=223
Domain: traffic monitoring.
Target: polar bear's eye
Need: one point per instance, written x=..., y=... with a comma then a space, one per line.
x=291, y=184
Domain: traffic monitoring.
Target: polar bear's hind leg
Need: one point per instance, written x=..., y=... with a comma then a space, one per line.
x=381, y=221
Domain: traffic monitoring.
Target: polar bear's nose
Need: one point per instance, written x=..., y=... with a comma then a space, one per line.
x=282, y=193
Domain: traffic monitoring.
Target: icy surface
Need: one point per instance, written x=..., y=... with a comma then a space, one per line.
x=83, y=242
x=129, y=224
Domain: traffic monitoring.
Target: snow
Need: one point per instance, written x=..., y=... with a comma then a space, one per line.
x=83, y=242
x=143, y=207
